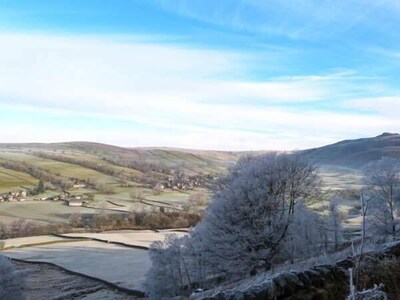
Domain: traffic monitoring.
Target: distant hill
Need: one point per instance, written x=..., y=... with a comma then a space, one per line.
x=348, y=153
x=357, y=153
x=191, y=161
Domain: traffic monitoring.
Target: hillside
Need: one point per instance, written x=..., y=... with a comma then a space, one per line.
x=191, y=161
x=111, y=178
x=357, y=153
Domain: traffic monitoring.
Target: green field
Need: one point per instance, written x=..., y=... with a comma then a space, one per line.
x=58, y=168
x=192, y=162
x=12, y=180
x=336, y=177
x=41, y=211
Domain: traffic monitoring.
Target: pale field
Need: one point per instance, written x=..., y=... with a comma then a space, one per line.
x=42, y=211
x=42, y=281
x=123, y=266
x=31, y=240
x=141, y=238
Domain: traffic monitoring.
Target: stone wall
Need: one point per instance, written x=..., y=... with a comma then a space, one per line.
x=327, y=282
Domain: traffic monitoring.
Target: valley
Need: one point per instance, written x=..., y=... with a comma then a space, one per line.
x=112, y=185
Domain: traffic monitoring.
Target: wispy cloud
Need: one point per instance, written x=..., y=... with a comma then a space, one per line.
x=232, y=74
x=298, y=19
x=163, y=94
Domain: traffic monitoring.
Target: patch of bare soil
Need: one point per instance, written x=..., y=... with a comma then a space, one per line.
x=50, y=282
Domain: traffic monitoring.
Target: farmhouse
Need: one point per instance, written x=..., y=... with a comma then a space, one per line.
x=79, y=186
x=13, y=196
x=75, y=202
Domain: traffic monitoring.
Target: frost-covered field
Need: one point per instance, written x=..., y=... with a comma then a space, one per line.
x=141, y=238
x=43, y=281
x=32, y=240
x=120, y=265
x=123, y=266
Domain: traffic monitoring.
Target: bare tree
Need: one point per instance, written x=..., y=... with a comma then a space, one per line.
x=136, y=194
x=335, y=221
x=367, y=196
x=198, y=199
x=383, y=177
x=75, y=219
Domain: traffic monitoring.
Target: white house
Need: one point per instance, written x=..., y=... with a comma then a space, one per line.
x=75, y=202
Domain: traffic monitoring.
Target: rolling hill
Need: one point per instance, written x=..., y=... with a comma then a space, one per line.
x=356, y=153
x=108, y=164
x=191, y=161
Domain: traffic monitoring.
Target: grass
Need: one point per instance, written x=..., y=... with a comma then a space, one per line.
x=63, y=169
x=96, y=159
x=42, y=211
x=12, y=180
x=335, y=177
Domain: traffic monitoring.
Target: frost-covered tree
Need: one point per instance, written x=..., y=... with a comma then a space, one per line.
x=383, y=178
x=257, y=215
x=11, y=282
x=307, y=235
x=248, y=220
x=172, y=268
x=179, y=265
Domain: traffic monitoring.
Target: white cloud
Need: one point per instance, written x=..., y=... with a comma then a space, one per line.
x=388, y=106
x=183, y=91
x=66, y=71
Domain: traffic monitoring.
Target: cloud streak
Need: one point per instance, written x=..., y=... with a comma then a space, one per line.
x=173, y=95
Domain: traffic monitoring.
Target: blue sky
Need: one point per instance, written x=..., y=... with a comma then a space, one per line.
x=229, y=75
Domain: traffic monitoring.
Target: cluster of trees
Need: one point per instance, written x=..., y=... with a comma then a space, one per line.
x=21, y=228
x=134, y=219
x=258, y=217
x=39, y=173
x=101, y=221
x=100, y=186
x=380, y=211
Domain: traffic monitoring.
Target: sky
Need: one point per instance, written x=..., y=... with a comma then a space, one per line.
x=203, y=74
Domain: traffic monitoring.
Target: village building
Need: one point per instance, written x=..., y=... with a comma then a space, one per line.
x=79, y=186
x=74, y=202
